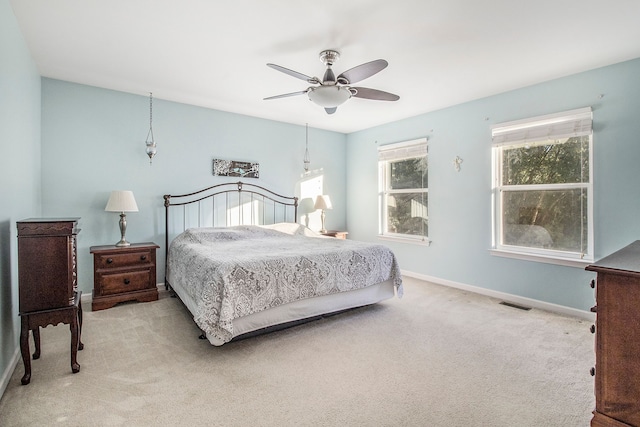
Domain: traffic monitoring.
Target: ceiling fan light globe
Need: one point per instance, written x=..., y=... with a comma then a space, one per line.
x=329, y=96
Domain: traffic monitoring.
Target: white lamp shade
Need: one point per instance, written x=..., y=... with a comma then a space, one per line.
x=323, y=202
x=121, y=201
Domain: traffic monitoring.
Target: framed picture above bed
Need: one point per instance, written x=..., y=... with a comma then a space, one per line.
x=236, y=168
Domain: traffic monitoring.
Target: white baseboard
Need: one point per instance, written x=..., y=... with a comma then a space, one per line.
x=528, y=302
x=86, y=299
x=8, y=372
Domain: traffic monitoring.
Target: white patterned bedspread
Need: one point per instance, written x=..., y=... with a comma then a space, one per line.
x=236, y=271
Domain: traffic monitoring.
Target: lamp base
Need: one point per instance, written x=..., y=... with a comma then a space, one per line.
x=123, y=229
x=322, y=230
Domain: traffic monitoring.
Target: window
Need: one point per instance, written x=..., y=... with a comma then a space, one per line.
x=543, y=193
x=403, y=190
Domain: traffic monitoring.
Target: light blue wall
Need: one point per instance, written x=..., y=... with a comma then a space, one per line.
x=19, y=168
x=93, y=143
x=459, y=202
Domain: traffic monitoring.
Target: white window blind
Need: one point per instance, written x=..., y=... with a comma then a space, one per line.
x=403, y=150
x=552, y=126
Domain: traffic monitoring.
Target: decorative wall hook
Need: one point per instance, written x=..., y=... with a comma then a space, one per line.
x=457, y=162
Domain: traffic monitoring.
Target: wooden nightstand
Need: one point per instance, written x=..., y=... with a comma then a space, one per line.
x=335, y=233
x=123, y=274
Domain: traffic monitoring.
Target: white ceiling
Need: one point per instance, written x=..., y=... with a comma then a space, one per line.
x=214, y=54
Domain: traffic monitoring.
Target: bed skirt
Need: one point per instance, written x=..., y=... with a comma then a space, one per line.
x=299, y=310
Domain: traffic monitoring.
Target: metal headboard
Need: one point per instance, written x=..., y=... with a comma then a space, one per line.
x=265, y=206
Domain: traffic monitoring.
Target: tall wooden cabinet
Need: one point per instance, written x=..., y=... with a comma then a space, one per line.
x=617, y=370
x=47, y=281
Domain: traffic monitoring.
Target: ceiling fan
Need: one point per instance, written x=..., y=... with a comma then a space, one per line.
x=333, y=91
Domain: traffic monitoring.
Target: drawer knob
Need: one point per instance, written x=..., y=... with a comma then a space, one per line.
x=109, y=260
x=143, y=257
x=127, y=281
x=593, y=284
x=593, y=329
x=592, y=371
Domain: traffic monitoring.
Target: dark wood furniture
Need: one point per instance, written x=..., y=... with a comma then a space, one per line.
x=336, y=233
x=47, y=281
x=617, y=370
x=123, y=274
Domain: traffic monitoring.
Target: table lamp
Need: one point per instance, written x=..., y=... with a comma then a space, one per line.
x=323, y=202
x=122, y=201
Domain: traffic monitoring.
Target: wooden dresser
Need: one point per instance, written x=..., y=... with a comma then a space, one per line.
x=123, y=274
x=617, y=370
x=47, y=281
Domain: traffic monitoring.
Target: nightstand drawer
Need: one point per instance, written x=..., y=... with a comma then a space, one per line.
x=128, y=259
x=124, y=282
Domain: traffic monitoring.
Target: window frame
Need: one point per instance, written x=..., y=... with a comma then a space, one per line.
x=535, y=130
x=395, y=152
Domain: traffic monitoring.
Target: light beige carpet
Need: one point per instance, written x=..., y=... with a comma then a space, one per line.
x=437, y=357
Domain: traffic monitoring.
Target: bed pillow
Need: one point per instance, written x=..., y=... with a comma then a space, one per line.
x=212, y=234
x=292, y=228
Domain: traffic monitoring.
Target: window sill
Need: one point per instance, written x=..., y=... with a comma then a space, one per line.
x=568, y=262
x=413, y=241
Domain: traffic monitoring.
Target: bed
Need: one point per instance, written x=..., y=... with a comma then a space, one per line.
x=241, y=264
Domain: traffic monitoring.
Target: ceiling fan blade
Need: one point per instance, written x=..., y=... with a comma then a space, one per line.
x=331, y=110
x=294, y=73
x=378, y=95
x=362, y=71
x=285, y=95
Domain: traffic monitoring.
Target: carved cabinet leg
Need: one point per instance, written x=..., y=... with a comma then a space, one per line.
x=24, y=349
x=80, y=345
x=36, y=340
x=75, y=367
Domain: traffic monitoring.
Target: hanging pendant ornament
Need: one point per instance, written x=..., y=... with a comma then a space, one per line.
x=307, y=160
x=151, y=144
